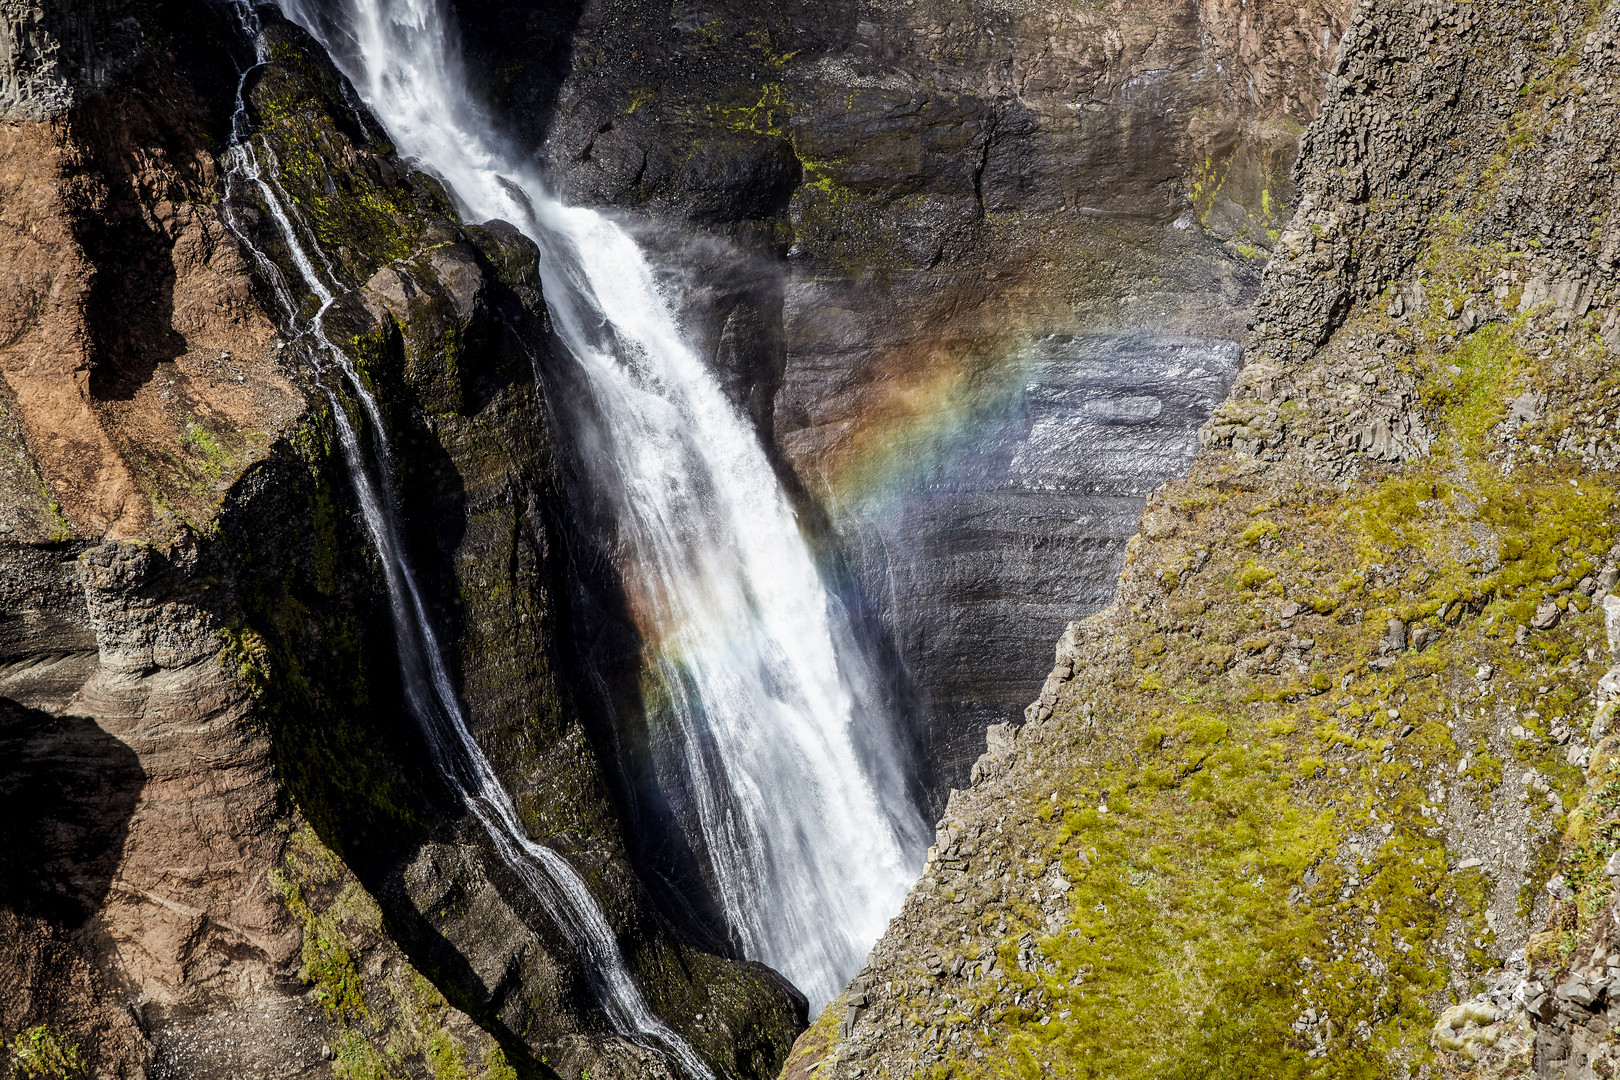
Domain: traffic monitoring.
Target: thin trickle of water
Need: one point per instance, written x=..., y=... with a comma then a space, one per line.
x=784, y=746
x=429, y=693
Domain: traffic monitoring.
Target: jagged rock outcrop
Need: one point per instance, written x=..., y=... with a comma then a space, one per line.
x=1327, y=789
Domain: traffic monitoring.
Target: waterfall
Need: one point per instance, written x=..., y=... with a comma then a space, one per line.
x=429, y=694
x=752, y=669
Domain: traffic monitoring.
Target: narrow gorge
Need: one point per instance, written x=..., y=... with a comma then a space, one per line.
x=531, y=537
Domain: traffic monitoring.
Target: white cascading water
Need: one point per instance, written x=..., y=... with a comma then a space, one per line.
x=798, y=784
x=429, y=692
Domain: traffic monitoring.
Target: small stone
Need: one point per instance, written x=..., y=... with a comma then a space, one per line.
x=1468, y=864
x=1546, y=617
x=1559, y=889
x=1588, y=586
x=1406, y=730
x=1526, y=408
x=1521, y=635
x=1395, y=635
x=1611, y=623
x=1159, y=525
x=326, y=1053
x=1612, y=867
x=1577, y=992
x=4, y=528
x=1394, y=714
x=1484, y=672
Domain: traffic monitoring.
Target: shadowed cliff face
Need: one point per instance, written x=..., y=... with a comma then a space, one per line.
x=67, y=797
x=887, y=208
x=979, y=530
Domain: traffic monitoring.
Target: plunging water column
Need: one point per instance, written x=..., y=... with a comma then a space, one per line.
x=750, y=662
x=429, y=693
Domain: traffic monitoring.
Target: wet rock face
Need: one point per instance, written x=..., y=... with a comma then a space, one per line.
x=919, y=195
x=1017, y=521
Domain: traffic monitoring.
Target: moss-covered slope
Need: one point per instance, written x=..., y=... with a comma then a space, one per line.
x=1308, y=784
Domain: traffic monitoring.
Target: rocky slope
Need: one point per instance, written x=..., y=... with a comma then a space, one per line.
x=226, y=850
x=1329, y=790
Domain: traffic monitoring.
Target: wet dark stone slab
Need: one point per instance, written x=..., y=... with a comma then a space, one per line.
x=1018, y=523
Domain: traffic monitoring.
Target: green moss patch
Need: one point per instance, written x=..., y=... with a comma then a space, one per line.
x=390, y=1023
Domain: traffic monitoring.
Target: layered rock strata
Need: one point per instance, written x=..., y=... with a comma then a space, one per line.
x=228, y=848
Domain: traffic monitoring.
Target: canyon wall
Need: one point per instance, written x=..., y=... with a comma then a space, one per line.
x=1329, y=788
x=1325, y=787
x=227, y=849
x=979, y=268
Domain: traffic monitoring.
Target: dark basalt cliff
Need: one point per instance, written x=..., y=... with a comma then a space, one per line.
x=926, y=240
